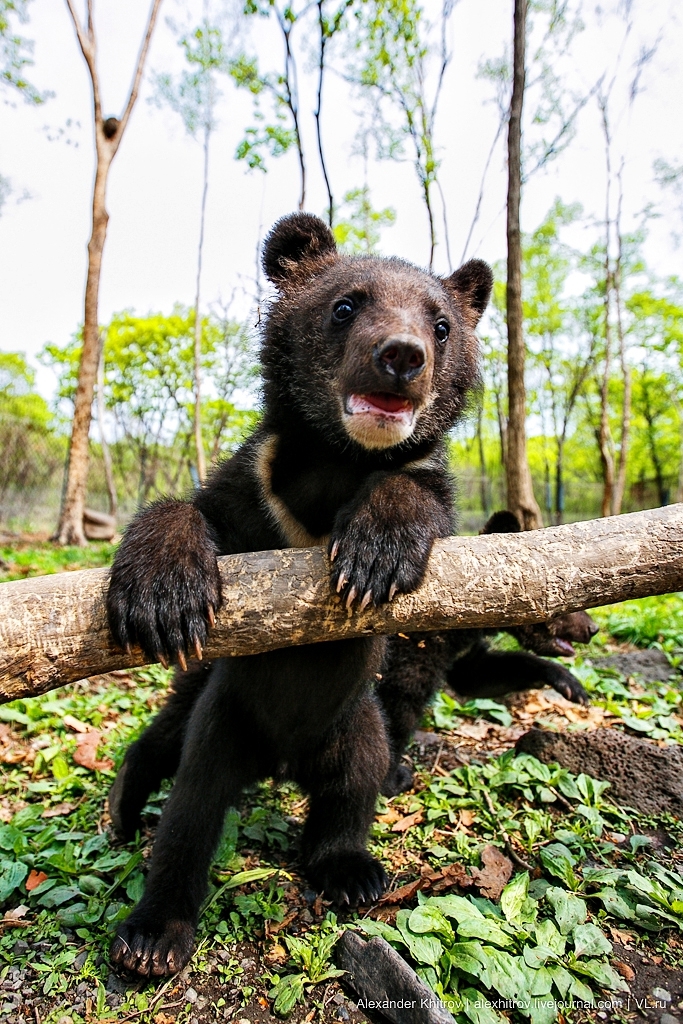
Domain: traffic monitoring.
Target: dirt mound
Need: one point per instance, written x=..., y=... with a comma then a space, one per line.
x=643, y=776
x=651, y=665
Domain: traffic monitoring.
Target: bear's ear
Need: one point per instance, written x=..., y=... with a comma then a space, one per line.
x=502, y=522
x=294, y=240
x=472, y=284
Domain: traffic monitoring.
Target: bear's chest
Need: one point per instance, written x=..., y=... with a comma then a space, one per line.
x=303, y=490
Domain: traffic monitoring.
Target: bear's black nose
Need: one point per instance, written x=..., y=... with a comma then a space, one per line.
x=402, y=356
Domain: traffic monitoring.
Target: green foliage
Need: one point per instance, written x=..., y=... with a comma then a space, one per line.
x=312, y=956
x=358, y=225
x=16, y=51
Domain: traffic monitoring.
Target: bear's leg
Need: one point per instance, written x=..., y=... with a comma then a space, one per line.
x=155, y=756
x=486, y=673
x=219, y=759
x=343, y=777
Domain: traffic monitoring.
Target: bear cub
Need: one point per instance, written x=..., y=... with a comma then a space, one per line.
x=367, y=364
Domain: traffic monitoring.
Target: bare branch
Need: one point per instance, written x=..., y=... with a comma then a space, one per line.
x=135, y=87
x=53, y=630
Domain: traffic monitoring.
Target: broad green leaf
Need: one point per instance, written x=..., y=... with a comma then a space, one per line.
x=485, y=929
x=61, y=894
x=508, y=975
x=616, y=904
x=426, y=949
x=603, y=876
x=514, y=896
x=602, y=973
x=287, y=993
x=385, y=931
x=559, y=861
x=471, y=958
x=580, y=991
x=590, y=941
x=543, y=1010
x=478, y=1008
x=569, y=909
x=80, y=913
x=548, y=935
x=536, y=956
x=430, y=919
x=12, y=874
x=562, y=979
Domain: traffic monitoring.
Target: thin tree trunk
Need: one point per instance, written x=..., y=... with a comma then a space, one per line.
x=108, y=137
x=604, y=433
x=318, y=110
x=106, y=454
x=198, y=440
x=520, y=494
x=620, y=486
x=482, y=462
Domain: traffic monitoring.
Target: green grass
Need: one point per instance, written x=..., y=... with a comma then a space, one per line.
x=20, y=562
x=647, y=622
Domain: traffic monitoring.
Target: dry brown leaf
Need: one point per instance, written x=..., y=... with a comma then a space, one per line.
x=405, y=823
x=404, y=892
x=475, y=730
x=86, y=752
x=467, y=817
x=13, y=750
x=454, y=874
x=34, y=879
x=625, y=970
x=496, y=873
x=277, y=954
x=59, y=810
x=73, y=723
x=164, y=1018
x=390, y=816
x=277, y=926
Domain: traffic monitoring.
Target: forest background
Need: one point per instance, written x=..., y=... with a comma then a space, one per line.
x=389, y=118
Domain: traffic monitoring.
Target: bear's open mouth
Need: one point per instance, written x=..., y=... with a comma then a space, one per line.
x=566, y=649
x=382, y=404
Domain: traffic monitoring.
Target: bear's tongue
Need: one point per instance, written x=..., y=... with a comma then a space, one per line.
x=565, y=647
x=379, y=402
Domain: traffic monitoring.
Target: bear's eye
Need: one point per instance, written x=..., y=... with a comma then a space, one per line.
x=342, y=310
x=442, y=329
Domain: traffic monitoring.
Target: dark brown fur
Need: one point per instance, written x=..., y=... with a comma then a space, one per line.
x=343, y=332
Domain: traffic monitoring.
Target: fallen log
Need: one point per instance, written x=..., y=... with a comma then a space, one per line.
x=53, y=629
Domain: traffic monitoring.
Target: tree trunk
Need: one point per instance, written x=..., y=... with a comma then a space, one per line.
x=482, y=463
x=318, y=111
x=520, y=491
x=106, y=454
x=70, y=529
x=108, y=135
x=53, y=630
x=620, y=485
x=198, y=440
x=604, y=432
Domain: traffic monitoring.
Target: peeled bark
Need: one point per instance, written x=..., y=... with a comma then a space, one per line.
x=53, y=629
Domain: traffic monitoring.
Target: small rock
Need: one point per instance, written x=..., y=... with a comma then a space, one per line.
x=80, y=959
x=201, y=1002
x=668, y=1018
x=247, y=963
x=602, y=1015
x=20, y=947
x=244, y=1020
x=342, y=1013
x=116, y=984
x=310, y=896
x=305, y=916
x=191, y=995
x=661, y=994
x=65, y=1020
x=338, y=998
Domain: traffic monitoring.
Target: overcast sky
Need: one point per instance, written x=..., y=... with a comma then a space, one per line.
x=155, y=183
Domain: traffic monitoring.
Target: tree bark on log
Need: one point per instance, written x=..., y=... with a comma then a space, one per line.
x=53, y=629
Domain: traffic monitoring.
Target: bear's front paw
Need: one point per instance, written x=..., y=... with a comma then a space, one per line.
x=562, y=680
x=371, y=565
x=350, y=877
x=146, y=947
x=399, y=779
x=165, y=586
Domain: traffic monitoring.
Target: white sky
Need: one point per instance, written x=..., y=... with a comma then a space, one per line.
x=154, y=188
